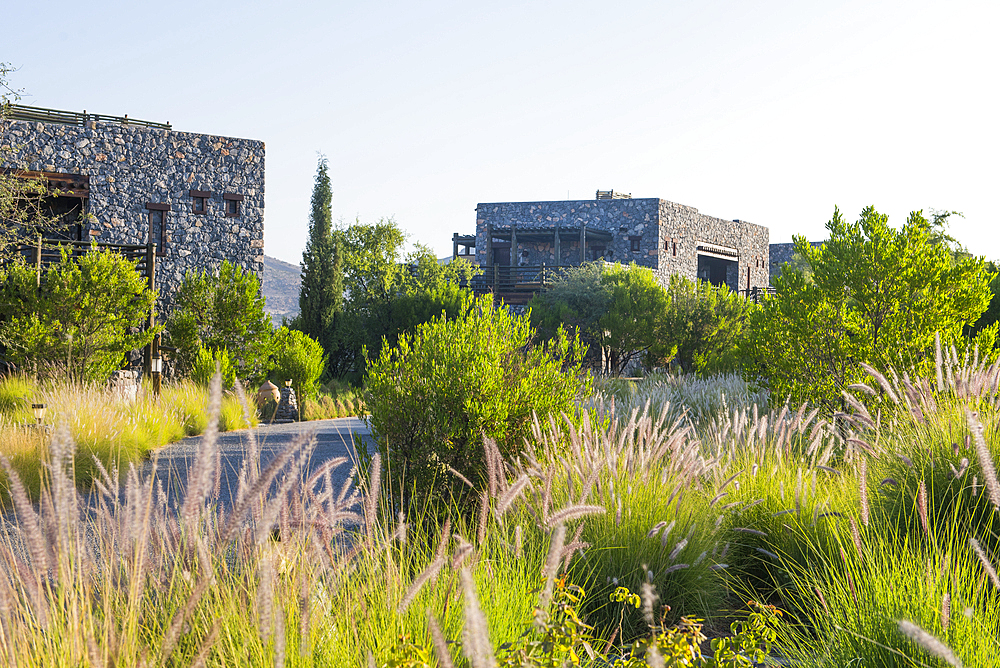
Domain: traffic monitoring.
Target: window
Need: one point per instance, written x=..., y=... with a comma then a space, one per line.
x=635, y=243
x=158, y=226
x=675, y=248
x=234, y=203
x=199, y=201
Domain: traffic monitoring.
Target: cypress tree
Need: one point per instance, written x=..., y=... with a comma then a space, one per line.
x=321, y=295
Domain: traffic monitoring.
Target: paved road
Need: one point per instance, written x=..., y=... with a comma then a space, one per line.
x=334, y=438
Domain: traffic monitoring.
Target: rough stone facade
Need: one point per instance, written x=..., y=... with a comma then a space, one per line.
x=668, y=238
x=131, y=167
x=782, y=254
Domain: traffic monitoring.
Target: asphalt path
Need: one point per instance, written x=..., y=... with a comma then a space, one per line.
x=334, y=438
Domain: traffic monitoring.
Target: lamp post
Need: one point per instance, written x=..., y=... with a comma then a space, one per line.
x=155, y=368
x=39, y=411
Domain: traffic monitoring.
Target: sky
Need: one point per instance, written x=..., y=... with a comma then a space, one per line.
x=771, y=112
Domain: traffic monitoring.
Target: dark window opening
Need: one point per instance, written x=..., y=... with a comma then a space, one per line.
x=158, y=226
x=635, y=242
x=716, y=271
x=233, y=204
x=675, y=248
x=598, y=252
x=199, y=200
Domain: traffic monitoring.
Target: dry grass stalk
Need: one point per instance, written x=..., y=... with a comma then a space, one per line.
x=985, y=458
x=475, y=634
x=440, y=644
x=551, y=570
x=928, y=642
x=985, y=561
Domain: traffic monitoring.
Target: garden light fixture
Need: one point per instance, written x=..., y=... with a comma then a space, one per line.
x=39, y=411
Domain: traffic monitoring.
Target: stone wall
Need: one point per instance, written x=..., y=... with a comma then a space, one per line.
x=625, y=218
x=131, y=166
x=783, y=253
x=668, y=235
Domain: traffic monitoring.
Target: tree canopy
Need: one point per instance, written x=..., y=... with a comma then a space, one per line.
x=321, y=296
x=872, y=294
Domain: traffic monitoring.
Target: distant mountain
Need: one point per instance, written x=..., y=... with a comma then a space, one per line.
x=281, y=289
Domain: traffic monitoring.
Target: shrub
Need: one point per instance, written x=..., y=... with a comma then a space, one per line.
x=300, y=357
x=222, y=310
x=441, y=390
x=83, y=317
x=205, y=363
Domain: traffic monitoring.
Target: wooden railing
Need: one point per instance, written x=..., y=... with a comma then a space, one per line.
x=501, y=279
x=20, y=112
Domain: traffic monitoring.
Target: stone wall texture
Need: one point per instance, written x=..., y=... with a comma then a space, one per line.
x=782, y=254
x=130, y=166
x=668, y=233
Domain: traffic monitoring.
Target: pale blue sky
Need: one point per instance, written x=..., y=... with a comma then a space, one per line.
x=771, y=112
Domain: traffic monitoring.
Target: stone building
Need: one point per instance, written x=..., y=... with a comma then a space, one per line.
x=199, y=197
x=668, y=238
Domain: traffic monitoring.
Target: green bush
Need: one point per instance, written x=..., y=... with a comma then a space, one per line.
x=300, y=357
x=442, y=389
x=81, y=320
x=205, y=363
x=222, y=310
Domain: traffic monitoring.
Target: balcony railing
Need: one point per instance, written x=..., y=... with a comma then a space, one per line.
x=20, y=112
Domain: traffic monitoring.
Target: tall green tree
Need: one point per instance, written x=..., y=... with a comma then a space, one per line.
x=321, y=296
x=702, y=326
x=389, y=293
x=876, y=295
x=222, y=310
x=618, y=308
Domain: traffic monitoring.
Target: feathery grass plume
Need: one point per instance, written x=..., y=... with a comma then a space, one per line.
x=279, y=637
x=863, y=488
x=371, y=502
x=201, y=475
x=678, y=548
x=461, y=477
x=462, y=550
x=518, y=542
x=510, y=495
x=27, y=519
x=653, y=657
x=755, y=532
x=440, y=644
x=267, y=580
x=882, y=381
x=259, y=487
x=929, y=643
x=987, y=565
x=475, y=634
x=201, y=659
x=946, y=610
x=665, y=536
x=938, y=362
x=551, y=569
x=656, y=529
x=305, y=611
x=484, y=515
x=441, y=552
x=574, y=512
x=182, y=616
x=922, y=506
x=430, y=572
x=649, y=598
x=985, y=459
x=856, y=537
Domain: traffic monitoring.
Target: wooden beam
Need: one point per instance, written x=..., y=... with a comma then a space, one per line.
x=513, y=245
x=557, y=249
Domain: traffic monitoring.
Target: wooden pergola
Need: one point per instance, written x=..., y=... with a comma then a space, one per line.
x=554, y=235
